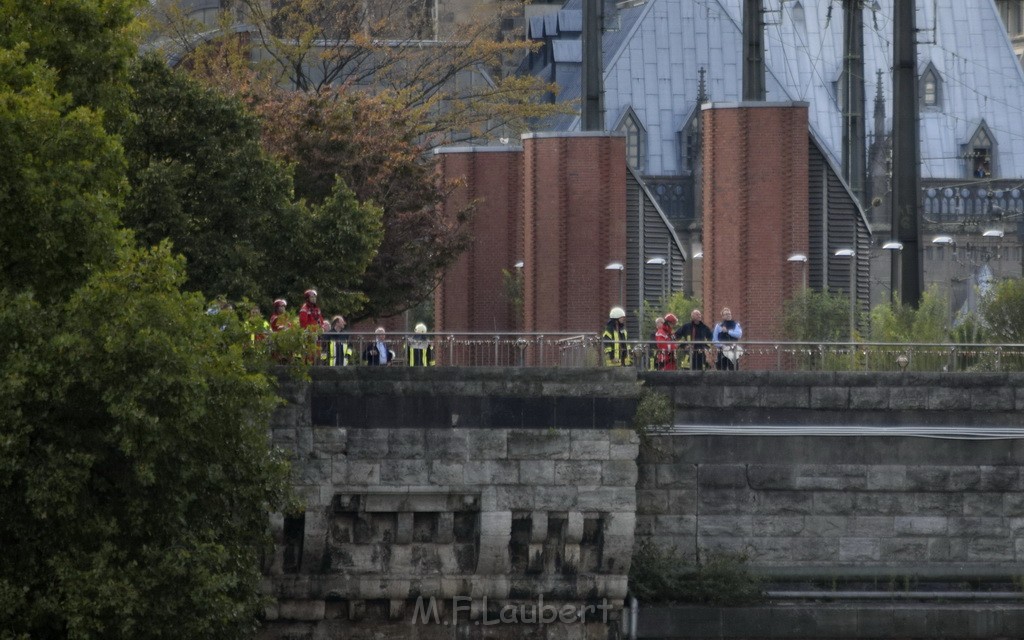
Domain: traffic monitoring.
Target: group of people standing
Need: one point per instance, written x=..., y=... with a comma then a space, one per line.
x=333, y=341
x=688, y=347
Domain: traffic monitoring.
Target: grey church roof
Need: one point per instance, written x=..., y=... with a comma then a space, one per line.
x=653, y=52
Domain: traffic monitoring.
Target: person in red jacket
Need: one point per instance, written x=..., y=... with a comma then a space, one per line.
x=309, y=315
x=666, y=356
x=277, y=320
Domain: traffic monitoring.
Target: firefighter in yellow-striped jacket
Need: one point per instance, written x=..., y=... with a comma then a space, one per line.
x=418, y=350
x=337, y=350
x=614, y=340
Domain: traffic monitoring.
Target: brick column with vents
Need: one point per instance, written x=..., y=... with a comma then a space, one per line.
x=574, y=215
x=472, y=296
x=755, y=212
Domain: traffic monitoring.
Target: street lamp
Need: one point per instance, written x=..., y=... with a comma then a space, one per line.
x=851, y=254
x=661, y=262
x=699, y=254
x=617, y=266
x=801, y=258
x=894, y=275
x=993, y=233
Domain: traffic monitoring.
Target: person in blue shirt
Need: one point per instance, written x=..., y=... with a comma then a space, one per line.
x=725, y=335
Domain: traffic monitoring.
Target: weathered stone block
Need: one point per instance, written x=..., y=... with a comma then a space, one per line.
x=578, y=473
x=312, y=472
x=736, y=397
x=682, y=502
x=857, y=550
x=723, y=501
x=945, y=399
x=722, y=476
x=779, y=526
x=785, y=503
x=534, y=444
x=920, y=525
x=677, y=475
x=562, y=498
x=450, y=445
x=652, y=501
x=339, y=470
x=367, y=444
x=623, y=451
x=886, y=478
x=330, y=440
x=487, y=444
x=724, y=525
x=605, y=499
x=787, y=397
x=904, y=549
x=907, y=398
x=771, y=476
x=537, y=472
x=983, y=504
x=491, y=472
x=833, y=503
x=830, y=526
x=589, y=449
x=404, y=472
x=830, y=397
x=363, y=473
x=619, y=473
x=998, y=399
x=990, y=550
x=446, y=473
x=869, y=398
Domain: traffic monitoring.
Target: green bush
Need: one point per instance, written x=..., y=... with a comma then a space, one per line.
x=720, y=578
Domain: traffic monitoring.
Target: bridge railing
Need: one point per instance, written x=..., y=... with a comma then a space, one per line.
x=586, y=350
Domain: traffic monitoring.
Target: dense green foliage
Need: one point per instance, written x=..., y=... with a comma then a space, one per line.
x=60, y=183
x=678, y=303
x=135, y=471
x=896, y=322
x=663, y=575
x=1003, y=312
x=136, y=474
x=200, y=178
x=817, y=315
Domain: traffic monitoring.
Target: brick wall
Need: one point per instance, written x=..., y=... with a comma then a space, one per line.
x=574, y=222
x=472, y=294
x=559, y=205
x=755, y=211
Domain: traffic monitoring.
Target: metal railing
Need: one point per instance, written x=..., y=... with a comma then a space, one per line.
x=580, y=350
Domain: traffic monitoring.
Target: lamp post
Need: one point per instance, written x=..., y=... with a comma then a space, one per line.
x=661, y=262
x=801, y=258
x=851, y=254
x=617, y=266
x=894, y=277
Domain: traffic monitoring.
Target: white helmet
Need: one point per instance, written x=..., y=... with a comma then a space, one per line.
x=616, y=313
x=421, y=328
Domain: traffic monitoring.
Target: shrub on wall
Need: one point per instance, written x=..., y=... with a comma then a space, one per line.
x=719, y=578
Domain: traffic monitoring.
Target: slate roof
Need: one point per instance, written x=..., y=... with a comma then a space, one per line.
x=652, y=53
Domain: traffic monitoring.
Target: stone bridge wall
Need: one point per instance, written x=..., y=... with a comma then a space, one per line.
x=485, y=488
x=841, y=505
x=494, y=493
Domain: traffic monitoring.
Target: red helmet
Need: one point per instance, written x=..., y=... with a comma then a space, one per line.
x=280, y=302
x=671, y=319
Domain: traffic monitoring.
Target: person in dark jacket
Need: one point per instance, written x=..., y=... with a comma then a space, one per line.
x=377, y=353
x=698, y=335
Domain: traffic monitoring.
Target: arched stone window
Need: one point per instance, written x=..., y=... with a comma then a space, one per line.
x=931, y=88
x=636, y=135
x=980, y=153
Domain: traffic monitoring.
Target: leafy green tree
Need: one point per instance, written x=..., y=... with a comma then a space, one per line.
x=1003, y=312
x=135, y=475
x=897, y=322
x=87, y=43
x=817, y=315
x=677, y=303
x=61, y=181
x=201, y=179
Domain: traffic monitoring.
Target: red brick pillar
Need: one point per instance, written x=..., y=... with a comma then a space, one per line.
x=472, y=294
x=574, y=224
x=755, y=213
